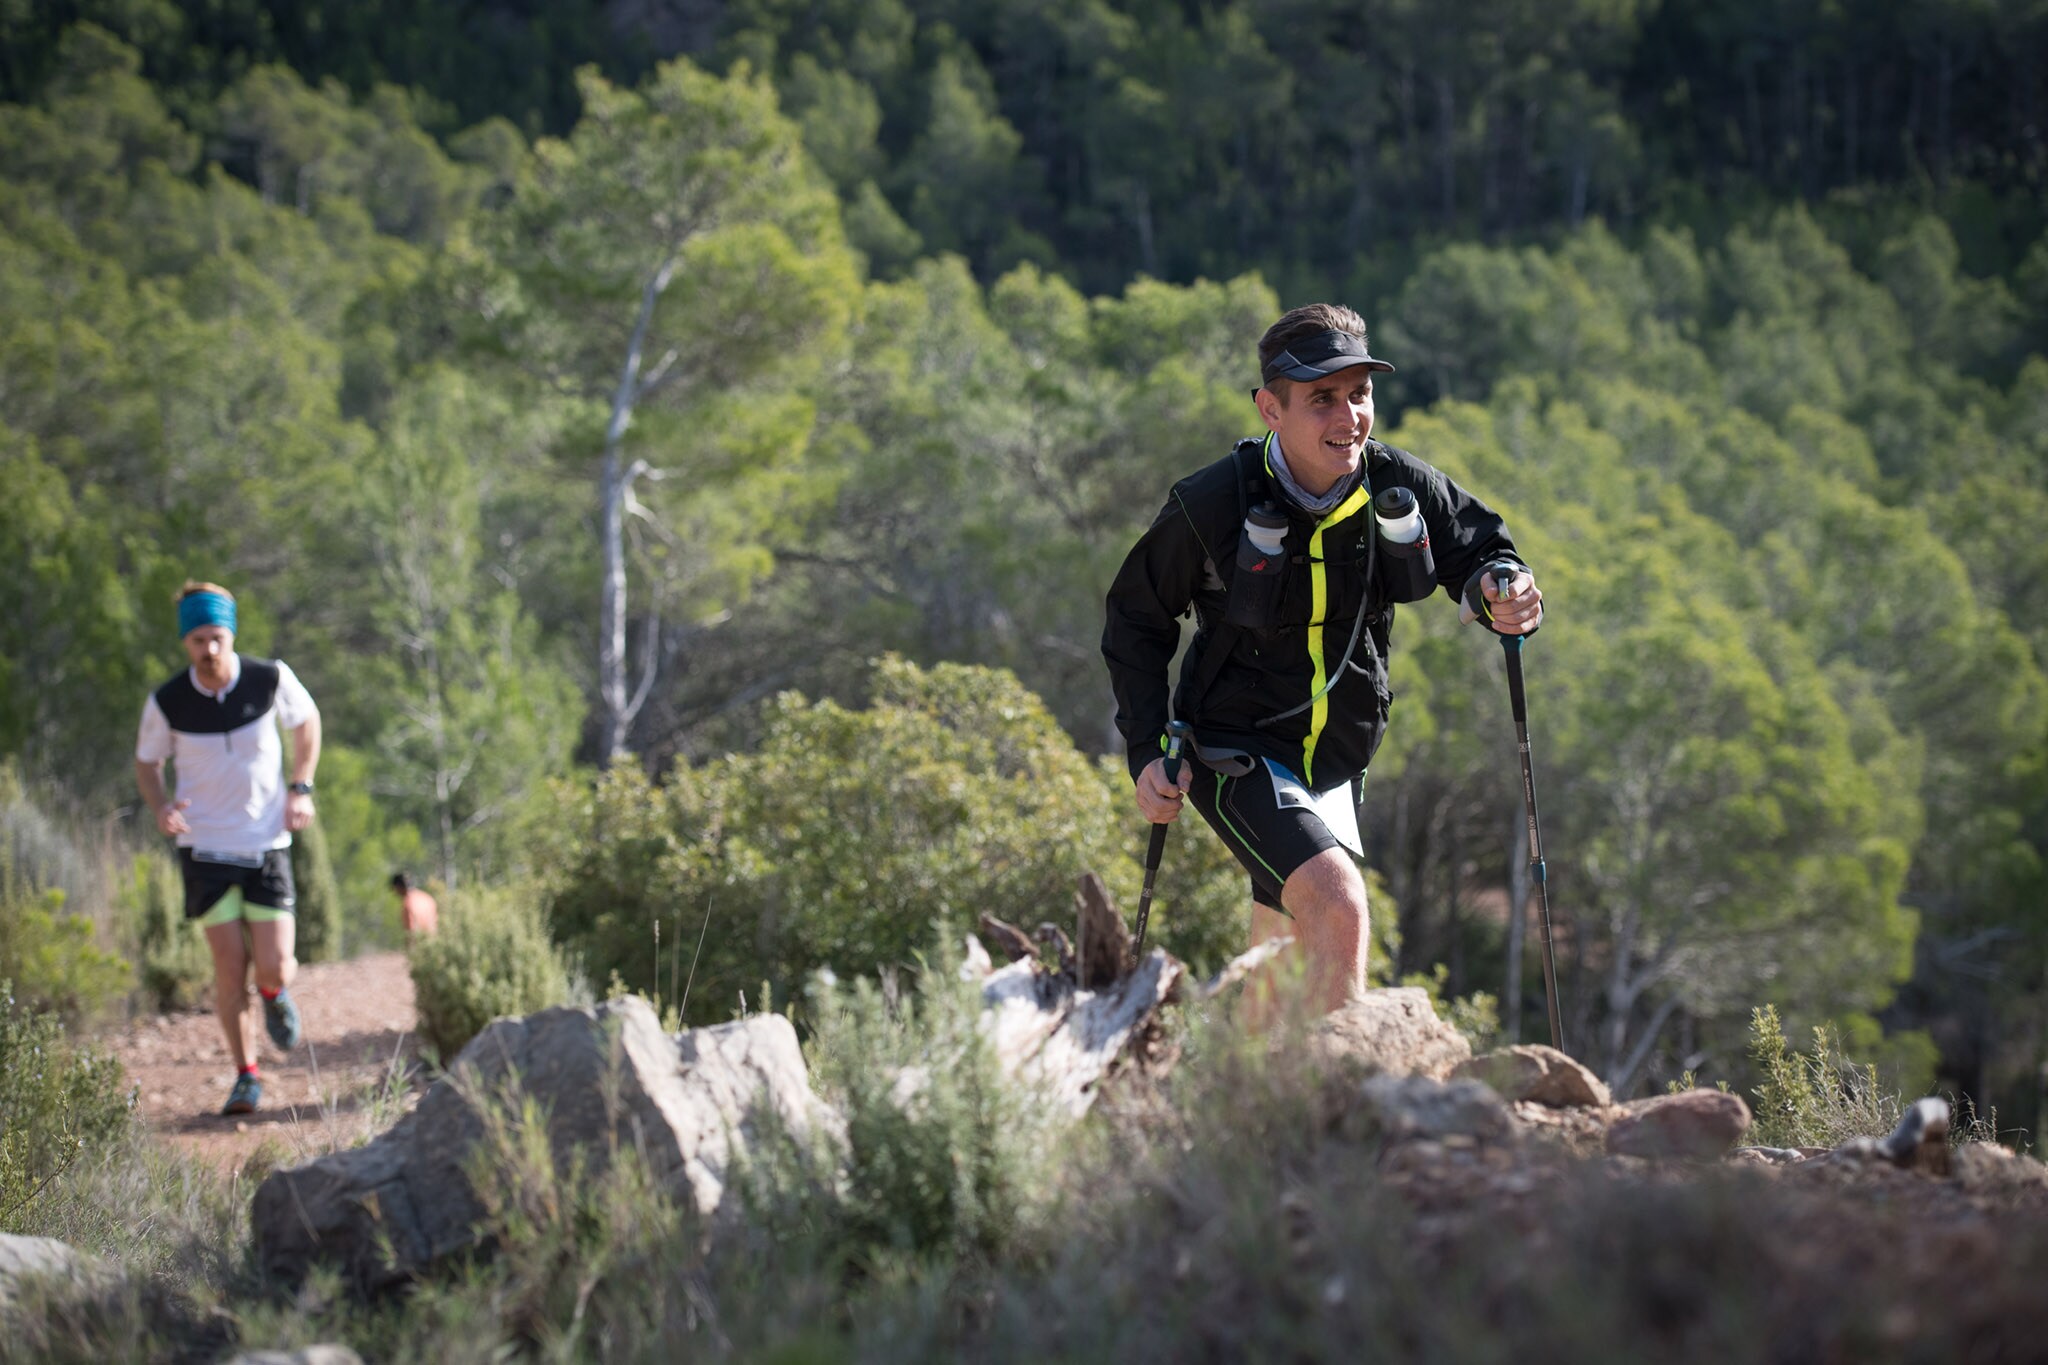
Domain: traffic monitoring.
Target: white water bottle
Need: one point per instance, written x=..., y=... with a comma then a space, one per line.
x=1261, y=568
x=1400, y=517
x=1407, y=568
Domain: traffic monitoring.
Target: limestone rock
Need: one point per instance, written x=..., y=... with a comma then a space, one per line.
x=1408, y=1107
x=1693, y=1125
x=1530, y=1071
x=681, y=1100
x=1575, y=1129
x=1993, y=1168
x=1394, y=1031
x=53, y=1267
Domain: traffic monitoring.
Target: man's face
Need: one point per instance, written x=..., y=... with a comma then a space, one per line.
x=1324, y=423
x=208, y=647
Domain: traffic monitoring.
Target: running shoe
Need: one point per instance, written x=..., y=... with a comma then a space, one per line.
x=247, y=1094
x=281, y=1017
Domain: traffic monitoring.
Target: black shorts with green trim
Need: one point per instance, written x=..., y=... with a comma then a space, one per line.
x=264, y=879
x=1269, y=839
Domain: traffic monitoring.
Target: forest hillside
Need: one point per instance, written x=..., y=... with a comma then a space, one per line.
x=601, y=406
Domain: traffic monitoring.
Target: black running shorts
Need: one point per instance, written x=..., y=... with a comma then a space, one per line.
x=1270, y=840
x=265, y=880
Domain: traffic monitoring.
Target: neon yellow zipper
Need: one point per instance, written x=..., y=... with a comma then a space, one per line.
x=1319, y=609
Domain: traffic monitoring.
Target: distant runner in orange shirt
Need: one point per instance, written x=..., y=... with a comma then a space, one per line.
x=416, y=909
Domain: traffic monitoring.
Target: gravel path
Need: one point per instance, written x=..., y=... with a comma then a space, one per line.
x=358, y=1023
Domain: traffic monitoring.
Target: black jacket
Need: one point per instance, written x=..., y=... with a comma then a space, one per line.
x=1187, y=559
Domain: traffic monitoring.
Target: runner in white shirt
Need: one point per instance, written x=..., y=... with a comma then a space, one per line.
x=234, y=815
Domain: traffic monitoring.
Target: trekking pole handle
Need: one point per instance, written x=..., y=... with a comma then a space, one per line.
x=1518, y=703
x=1178, y=733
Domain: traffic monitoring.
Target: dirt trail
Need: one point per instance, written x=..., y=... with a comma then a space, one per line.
x=357, y=1016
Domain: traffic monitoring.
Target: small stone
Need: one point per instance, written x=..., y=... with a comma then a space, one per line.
x=1990, y=1167
x=1530, y=1071
x=1410, y=1107
x=1695, y=1125
x=58, y=1266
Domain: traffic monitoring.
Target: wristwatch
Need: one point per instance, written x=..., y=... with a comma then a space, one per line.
x=300, y=789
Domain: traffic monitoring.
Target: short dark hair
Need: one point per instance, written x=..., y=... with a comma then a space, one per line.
x=1296, y=324
x=400, y=882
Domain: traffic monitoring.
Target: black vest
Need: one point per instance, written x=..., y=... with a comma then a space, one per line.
x=192, y=712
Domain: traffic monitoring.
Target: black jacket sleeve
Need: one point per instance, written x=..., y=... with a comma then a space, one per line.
x=1464, y=533
x=1141, y=633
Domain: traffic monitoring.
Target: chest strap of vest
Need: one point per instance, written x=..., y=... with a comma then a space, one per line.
x=1223, y=636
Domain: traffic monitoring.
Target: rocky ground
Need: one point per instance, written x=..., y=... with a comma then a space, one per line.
x=1519, y=1188
x=359, y=1023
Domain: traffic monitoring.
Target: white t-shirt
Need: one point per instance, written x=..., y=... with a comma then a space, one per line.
x=228, y=756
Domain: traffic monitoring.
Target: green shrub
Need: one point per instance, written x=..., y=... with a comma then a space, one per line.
x=492, y=957
x=944, y=1160
x=1813, y=1099
x=366, y=841
x=49, y=954
x=44, y=852
x=319, y=897
x=847, y=836
x=57, y=1104
x=172, y=964
x=1477, y=1015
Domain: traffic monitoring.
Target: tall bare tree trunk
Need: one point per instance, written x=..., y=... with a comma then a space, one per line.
x=1141, y=211
x=615, y=484
x=611, y=611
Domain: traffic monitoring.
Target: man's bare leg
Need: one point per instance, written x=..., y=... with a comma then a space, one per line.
x=1326, y=898
x=273, y=942
x=231, y=991
x=1264, y=989
x=1325, y=967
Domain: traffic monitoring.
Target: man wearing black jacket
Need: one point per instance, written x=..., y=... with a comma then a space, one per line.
x=1285, y=682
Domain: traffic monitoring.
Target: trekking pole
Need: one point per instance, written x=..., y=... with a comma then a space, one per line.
x=1177, y=734
x=1511, y=645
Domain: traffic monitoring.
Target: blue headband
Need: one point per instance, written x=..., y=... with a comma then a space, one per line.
x=204, y=609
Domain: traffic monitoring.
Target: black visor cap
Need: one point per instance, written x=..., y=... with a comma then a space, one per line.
x=1316, y=356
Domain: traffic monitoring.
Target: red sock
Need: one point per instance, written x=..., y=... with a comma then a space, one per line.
x=249, y=1070
x=269, y=995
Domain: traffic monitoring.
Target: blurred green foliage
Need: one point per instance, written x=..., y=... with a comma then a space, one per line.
x=944, y=1159
x=491, y=958
x=174, y=968
x=1817, y=1098
x=319, y=914
x=53, y=954
x=847, y=838
x=1773, y=440
x=50, y=953
x=59, y=1103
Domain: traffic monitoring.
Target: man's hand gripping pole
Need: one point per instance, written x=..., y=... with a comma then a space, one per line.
x=1178, y=733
